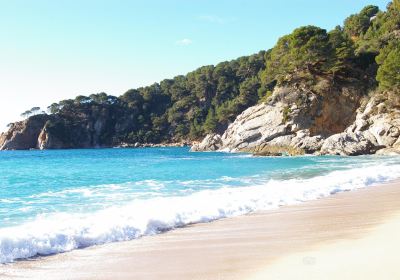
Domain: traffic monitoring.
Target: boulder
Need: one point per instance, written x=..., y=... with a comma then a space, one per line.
x=349, y=144
x=309, y=144
x=388, y=152
x=256, y=125
x=212, y=142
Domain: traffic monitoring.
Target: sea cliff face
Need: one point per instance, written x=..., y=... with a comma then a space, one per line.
x=81, y=130
x=23, y=135
x=333, y=120
x=326, y=118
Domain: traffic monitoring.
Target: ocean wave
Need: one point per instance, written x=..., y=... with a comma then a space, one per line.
x=62, y=232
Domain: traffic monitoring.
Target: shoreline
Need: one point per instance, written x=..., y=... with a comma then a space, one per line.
x=232, y=248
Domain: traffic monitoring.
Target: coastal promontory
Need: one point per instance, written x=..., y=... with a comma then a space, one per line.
x=315, y=92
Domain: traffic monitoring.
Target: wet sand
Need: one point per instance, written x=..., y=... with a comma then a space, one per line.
x=304, y=241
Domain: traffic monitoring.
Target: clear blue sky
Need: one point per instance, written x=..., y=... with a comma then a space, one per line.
x=52, y=50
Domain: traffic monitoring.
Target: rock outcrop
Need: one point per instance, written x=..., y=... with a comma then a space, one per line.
x=47, y=140
x=349, y=143
x=338, y=121
x=376, y=129
x=23, y=135
x=326, y=118
x=211, y=142
x=86, y=130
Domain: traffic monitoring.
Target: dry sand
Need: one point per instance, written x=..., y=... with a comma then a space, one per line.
x=353, y=235
x=375, y=256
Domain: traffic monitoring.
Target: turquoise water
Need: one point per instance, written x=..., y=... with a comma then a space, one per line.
x=57, y=201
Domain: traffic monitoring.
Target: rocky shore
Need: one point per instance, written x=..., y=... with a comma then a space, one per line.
x=151, y=145
x=326, y=119
x=295, y=120
x=39, y=132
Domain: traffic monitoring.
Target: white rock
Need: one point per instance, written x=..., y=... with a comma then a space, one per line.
x=211, y=142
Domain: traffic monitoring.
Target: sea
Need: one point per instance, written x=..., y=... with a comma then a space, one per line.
x=56, y=201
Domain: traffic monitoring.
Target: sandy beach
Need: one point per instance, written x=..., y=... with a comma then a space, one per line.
x=352, y=235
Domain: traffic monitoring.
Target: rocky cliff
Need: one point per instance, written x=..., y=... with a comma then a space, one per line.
x=376, y=129
x=23, y=135
x=83, y=129
x=326, y=118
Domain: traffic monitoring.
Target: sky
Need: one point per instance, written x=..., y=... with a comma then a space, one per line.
x=54, y=50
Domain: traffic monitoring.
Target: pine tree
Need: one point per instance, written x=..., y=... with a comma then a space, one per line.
x=389, y=72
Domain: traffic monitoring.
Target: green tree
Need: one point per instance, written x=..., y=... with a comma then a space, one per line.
x=54, y=108
x=343, y=51
x=35, y=110
x=356, y=25
x=210, y=124
x=248, y=95
x=80, y=99
x=195, y=130
x=26, y=114
x=396, y=5
x=100, y=98
x=307, y=48
x=389, y=71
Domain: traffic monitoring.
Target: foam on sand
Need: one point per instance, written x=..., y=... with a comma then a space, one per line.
x=61, y=232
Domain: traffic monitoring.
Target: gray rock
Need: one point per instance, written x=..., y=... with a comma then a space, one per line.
x=212, y=142
x=388, y=152
x=294, y=117
x=348, y=144
x=257, y=124
x=385, y=129
x=310, y=144
x=380, y=127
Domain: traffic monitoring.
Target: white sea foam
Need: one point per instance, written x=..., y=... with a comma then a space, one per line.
x=55, y=233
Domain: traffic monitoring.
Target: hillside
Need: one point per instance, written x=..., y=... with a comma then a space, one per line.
x=327, y=75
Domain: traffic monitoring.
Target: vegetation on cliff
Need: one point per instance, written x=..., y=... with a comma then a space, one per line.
x=365, y=51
